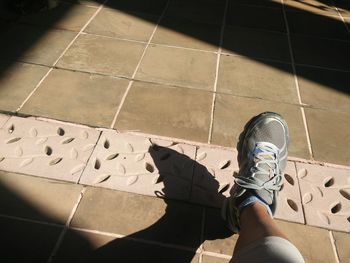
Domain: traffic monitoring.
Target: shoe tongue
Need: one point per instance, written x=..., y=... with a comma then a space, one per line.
x=263, y=156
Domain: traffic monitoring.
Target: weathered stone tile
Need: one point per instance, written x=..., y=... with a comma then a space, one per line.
x=141, y=165
x=257, y=78
x=34, y=45
x=3, y=119
x=181, y=67
x=77, y=97
x=45, y=149
x=211, y=259
x=115, y=23
x=140, y=217
x=325, y=7
x=342, y=243
x=329, y=135
x=90, y=247
x=168, y=111
x=37, y=198
x=325, y=196
x=313, y=243
x=17, y=81
x=102, y=55
x=64, y=16
x=232, y=113
x=154, y=7
x=26, y=242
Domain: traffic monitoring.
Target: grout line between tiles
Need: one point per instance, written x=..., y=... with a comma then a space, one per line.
x=335, y=251
x=150, y=242
x=31, y=220
x=341, y=17
x=62, y=54
x=296, y=81
x=300, y=195
x=137, y=67
x=66, y=227
x=217, y=72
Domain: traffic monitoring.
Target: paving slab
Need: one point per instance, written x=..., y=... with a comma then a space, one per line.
x=81, y=93
x=17, y=81
x=325, y=196
x=325, y=7
x=91, y=247
x=342, y=243
x=289, y=205
x=211, y=259
x=115, y=23
x=313, y=243
x=167, y=111
x=141, y=165
x=104, y=55
x=34, y=44
x=24, y=241
x=140, y=217
x=179, y=67
x=213, y=176
x=256, y=78
x=40, y=148
x=232, y=113
x=153, y=7
x=329, y=135
x=272, y=45
x=64, y=16
x=37, y=198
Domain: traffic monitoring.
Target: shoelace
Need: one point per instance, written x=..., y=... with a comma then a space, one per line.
x=268, y=154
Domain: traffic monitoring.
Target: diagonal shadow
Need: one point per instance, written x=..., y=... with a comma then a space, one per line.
x=255, y=32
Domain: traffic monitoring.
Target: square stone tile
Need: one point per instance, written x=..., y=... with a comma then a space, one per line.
x=325, y=196
x=323, y=88
x=174, y=66
x=253, y=43
x=187, y=33
x=35, y=45
x=77, y=97
x=26, y=242
x=211, y=259
x=342, y=243
x=256, y=17
x=213, y=176
x=257, y=78
x=141, y=165
x=313, y=243
x=154, y=7
x=329, y=135
x=64, y=16
x=321, y=52
x=102, y=55
x=45, y=149
x=115, y=23
x=17, y=81
x=90, y=247
x=37, y=198
x=324, y=7
x=232, y=113
x=317, y=25
x=141, y=217
x=205, y=11
x=217, y=237
x=168, y=111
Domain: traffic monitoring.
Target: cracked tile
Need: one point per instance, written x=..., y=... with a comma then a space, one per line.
x=141, y=165
x=213, y=176
x=104, y=55
x=288, y=200
x=45, y=149
x=77, y=97
x=325, y=196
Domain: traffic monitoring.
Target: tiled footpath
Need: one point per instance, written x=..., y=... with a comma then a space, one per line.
x=191, y=69
x=79, y=215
